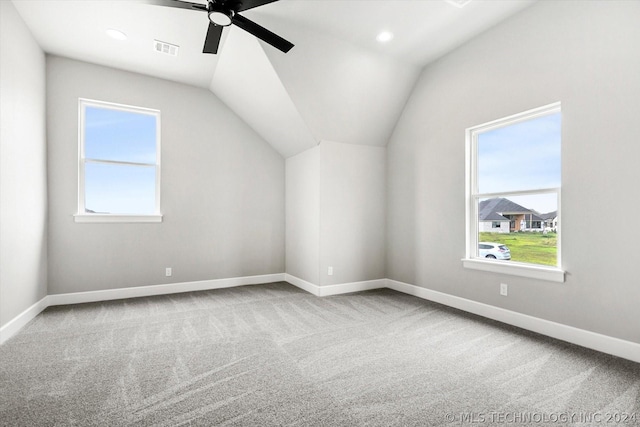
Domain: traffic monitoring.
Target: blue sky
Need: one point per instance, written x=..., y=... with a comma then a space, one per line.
x=120, y=136
x=522, y=156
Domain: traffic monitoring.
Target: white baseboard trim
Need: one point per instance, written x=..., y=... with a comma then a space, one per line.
x=345, y=288
x=18, y=322
x=606, y=344
x=302, y=284
x=342, y=288
x=170, y=288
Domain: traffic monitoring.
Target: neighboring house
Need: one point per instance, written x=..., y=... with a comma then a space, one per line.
x=550, y=220
x=501, y=215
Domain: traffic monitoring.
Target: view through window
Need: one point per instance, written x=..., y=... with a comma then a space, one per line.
x=515, y=188
x=119, y=160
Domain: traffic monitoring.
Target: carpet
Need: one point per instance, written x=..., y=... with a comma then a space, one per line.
x=272, y=355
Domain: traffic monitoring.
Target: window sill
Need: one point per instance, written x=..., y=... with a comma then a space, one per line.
x=104, y=218
x=552, y=274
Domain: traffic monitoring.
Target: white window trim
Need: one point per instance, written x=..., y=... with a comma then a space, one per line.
x=96, y=218
x=471, y=260
x=82, y=216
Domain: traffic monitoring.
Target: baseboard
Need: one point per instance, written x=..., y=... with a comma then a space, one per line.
x=345, y=288
x=606, y=344
x=18, y=322
x=171, y=288
x=342, y=288
x=302, y=284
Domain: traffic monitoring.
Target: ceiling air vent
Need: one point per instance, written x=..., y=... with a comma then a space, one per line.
x=166, y=48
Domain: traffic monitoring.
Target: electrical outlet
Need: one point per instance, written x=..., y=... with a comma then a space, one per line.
x=168, y=272
x=330, y=271
x=504, y=289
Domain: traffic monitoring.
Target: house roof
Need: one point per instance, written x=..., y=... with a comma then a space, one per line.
x=493, y=216
x=494, y=209
x=549, y=215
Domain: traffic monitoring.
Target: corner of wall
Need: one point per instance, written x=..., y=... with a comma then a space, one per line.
x=23, y=167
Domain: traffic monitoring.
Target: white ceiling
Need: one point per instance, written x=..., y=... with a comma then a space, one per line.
x=76, y=29
x=423, y=29
x=333, y=81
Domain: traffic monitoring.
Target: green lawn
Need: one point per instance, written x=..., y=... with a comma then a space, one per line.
x=534, y=248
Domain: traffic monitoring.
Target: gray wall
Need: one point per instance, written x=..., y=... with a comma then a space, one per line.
x=584, y=54
x=303, y=215
x=222, y=189
x=23, y=186
x=336, y=213
x=352, y=212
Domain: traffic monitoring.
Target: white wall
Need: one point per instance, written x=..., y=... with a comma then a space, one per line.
x=23, y=186
x=303, y=215
x=222, y=189
x=336, y=213
x=488, y=227
x=584, y=54
x=352, y=212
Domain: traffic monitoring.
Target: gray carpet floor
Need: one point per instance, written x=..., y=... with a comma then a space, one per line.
x=269, y=355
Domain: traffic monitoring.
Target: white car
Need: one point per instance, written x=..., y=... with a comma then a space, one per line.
x=493, y=250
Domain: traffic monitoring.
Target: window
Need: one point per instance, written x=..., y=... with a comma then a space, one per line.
x=514, y=175
x=119, y=163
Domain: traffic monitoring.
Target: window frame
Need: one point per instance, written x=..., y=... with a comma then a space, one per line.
x=472, y=197
x=86, y=217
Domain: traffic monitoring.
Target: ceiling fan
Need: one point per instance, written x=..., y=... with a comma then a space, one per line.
x=223, y=13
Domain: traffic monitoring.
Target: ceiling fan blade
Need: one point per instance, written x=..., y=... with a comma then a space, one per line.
x=213, y=39
x=262, y=33
x=176, y=4
x=250, y=4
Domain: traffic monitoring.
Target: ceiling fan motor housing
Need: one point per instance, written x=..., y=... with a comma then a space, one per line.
x=223, y=13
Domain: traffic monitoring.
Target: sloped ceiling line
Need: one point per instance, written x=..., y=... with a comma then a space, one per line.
x=323, y=89
x=246, y=81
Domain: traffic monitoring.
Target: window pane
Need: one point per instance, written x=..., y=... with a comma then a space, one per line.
x=119, y=189
x=521, y=156
x=119, y=135
x=527, y=232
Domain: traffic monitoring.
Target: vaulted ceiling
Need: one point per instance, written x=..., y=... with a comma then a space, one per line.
x=338, y=83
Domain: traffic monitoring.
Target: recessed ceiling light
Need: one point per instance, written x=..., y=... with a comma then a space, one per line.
x=116, y=34
x=458, y=3
x=384, y=36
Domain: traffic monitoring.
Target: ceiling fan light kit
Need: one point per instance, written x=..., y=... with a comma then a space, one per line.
x=219, y=16
x=223, y=13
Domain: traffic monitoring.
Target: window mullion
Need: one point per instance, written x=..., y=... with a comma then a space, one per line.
x=551, y=190
x=119, y=162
